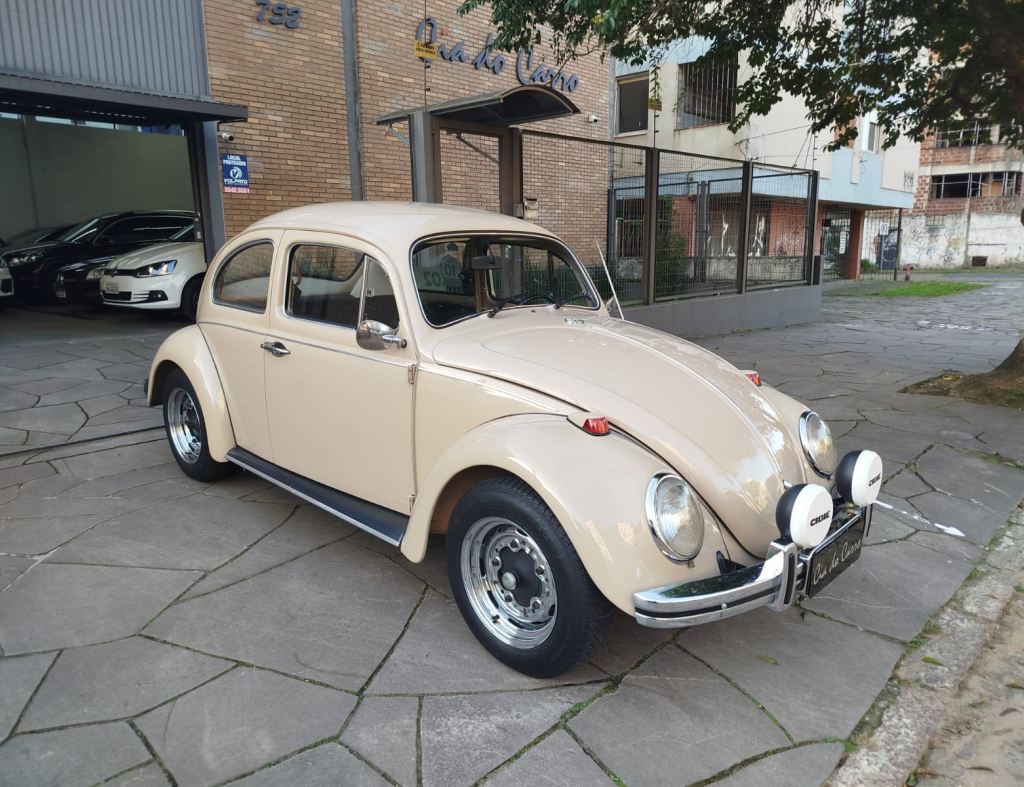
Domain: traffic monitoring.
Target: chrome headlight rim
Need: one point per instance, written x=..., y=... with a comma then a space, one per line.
x=805, y=443
x=650, y=513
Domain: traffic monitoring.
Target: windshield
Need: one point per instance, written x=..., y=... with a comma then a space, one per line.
x=459, y=277
x=81, y=232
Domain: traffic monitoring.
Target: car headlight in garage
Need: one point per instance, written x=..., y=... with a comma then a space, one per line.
x=94, y=274
x=816, y=439
x=164, y=268
x=675, y=517
x=23, y=259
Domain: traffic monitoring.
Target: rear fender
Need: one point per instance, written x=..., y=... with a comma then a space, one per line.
x=595, y=486
x=187, y=350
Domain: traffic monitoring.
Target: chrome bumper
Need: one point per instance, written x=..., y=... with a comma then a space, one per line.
x=776, y=583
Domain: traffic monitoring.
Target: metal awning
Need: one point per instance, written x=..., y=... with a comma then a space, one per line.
x=523, y=104
x=32, y=96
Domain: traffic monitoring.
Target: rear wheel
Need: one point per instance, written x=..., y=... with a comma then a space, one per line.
x=186, y=430
x=190, y=298
x=518, y=581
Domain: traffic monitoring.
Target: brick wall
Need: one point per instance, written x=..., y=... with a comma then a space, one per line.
x=293, y=83
x=392, y=78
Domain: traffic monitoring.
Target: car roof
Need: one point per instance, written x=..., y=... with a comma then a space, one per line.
x=394, y=222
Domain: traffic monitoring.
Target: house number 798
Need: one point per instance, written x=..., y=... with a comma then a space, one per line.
x=278, y=13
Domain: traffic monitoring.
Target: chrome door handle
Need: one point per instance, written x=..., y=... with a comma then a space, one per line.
x=276, y=349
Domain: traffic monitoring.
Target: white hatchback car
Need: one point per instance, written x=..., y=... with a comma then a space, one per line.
x=163, y=277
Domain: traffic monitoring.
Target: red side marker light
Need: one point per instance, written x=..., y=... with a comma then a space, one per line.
x=754, y=377
x=596, y=426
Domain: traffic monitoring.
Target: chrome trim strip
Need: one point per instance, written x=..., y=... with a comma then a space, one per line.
x=309, y=499
x=777, y=583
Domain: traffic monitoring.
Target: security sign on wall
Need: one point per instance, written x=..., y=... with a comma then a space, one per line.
x=236, y=173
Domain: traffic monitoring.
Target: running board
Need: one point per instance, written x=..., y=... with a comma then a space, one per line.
x=382, y=522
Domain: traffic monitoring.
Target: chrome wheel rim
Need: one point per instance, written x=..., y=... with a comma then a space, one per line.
x=183, y=425
x=508, y=582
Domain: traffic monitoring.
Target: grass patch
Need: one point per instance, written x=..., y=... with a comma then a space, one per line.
x=925, y=289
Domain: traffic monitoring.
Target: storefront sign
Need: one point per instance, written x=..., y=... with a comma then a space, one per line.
x=236, y=173
x=528, y=72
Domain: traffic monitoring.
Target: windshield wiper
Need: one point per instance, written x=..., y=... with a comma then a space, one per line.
x=518, y=299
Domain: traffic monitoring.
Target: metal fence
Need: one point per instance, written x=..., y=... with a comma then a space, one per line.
x=669, y=224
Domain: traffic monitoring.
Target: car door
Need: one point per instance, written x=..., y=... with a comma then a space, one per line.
x=233, y=319
x=339, y=413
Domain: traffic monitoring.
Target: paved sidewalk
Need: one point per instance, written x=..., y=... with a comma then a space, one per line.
x=153, y=626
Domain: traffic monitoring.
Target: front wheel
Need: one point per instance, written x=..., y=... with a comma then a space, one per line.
x=518, y=581
x=186, y=430
x=190, y=298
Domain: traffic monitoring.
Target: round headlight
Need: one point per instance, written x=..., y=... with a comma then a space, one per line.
x=675, y=517
x=816, y=439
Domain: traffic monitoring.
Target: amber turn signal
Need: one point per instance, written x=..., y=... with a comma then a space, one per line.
x=754, y=377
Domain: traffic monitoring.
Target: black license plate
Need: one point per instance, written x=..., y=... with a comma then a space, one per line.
x=832, y=559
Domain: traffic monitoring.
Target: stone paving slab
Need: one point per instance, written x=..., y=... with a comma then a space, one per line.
x=331, y=615
x=240, y=722
x=78, y=756
x=346, y=664
x=804, y=766
x=116, y=680
x=683, y=720
x=775, y=658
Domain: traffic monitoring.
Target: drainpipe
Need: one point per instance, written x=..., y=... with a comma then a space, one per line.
x=349, y=48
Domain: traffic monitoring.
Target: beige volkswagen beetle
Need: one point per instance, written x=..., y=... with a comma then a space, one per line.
x=417, y=369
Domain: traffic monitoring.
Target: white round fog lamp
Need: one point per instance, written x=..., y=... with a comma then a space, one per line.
x=859, y=477
x=675, y=517
x=816, y=439
x=804, y=514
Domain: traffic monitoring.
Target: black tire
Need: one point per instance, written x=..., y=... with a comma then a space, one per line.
x=580, y=613
x=182, y=411
x=190, y=298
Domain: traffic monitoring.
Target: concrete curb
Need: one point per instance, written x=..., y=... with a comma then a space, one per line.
x=915, y=704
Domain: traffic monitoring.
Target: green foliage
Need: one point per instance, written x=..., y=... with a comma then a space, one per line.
x=844, y=60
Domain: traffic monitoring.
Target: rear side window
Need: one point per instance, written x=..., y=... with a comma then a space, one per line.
x=243, y=281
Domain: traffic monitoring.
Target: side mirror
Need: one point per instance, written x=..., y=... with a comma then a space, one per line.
x=376, y=335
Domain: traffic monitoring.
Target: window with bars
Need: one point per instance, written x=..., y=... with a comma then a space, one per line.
x=976, y=184
x=970, y=134
x=632, y=104
x=706, y=94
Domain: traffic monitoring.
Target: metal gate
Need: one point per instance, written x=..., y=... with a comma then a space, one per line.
x=835, y=243
x=880, y=244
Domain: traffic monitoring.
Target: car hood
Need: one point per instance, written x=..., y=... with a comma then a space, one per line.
x=151, y=254
x=698, y=412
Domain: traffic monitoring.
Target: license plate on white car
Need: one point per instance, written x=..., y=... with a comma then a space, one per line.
x=110, y=287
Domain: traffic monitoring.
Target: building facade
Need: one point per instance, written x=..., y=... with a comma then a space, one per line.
x=680, y=104
x=279, y=105
x=968, y=203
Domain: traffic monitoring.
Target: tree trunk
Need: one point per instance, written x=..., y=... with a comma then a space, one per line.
x=1014, y=361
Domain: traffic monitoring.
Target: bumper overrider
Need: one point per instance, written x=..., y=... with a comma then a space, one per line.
x=788, y=573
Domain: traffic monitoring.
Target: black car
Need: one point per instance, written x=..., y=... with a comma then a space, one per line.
x=34, y=236
x=80, y=281
x=103, y=238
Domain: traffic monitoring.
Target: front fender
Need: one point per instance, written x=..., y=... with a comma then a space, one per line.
x=595, y=486
x=187, y=349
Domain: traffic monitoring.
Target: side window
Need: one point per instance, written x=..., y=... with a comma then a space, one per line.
x=244, y=279
x=327, y=283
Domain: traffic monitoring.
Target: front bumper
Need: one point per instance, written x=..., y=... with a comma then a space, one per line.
x=776, y=583
x=157, y=292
